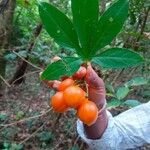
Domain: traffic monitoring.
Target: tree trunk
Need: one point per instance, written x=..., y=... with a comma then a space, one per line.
x=18, y=77
x=2, y=73
x=7, y=8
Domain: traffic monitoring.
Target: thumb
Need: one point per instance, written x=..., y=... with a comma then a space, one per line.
x=93, y=80
x=96, y=87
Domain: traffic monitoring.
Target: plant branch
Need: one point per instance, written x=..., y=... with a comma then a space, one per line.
x=5, y=81
x=28, y=61
x=26, y=119
x=117, y=76
x=144, y=23
x=25, y=75
x=21, y=69
x=34, y=133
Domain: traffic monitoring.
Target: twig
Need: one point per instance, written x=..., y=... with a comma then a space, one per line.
x=76, y=140
x=56, y=122
x=131, y=72
x=34, y=133
x=114, y=80
x=144, y=23
x=21, y=69
x=56, y=146
x=87, y=89
x=5, y=81
x=80, y=148
x=26, y=119
x=25, y=76
x=17, y=48
x=28, y=61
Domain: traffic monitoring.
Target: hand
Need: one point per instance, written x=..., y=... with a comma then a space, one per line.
x=96, y=87
x=97, y=94
x=52, y=84
x=55, y=83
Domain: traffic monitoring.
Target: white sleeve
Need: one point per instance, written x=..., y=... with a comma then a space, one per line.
x=128, y=130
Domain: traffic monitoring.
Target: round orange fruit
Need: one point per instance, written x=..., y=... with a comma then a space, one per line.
x=88, y=112
x=57, y=102
x=65, y=84
x=74, y=96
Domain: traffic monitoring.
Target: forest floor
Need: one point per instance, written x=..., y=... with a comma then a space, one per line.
x=27, y=121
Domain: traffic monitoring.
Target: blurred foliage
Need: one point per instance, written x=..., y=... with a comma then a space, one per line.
x=12, y=146
x=45, y=136
x=118, y=95
x=25, y=20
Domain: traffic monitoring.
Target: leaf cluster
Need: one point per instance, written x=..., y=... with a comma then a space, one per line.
x=123, y=91
x=87, y=34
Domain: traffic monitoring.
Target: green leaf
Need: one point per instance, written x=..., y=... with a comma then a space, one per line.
x=146, y=94
x=118, y=58
x=147, y=4
x=23, y=53
x=19, y=115
x=74, y=147
x=110, y=24
x=45, y=136
x=122, y=92
x=67, y=66
x=137, y=81
x=131, y=103
x=15, y=146
x=113, y=103
x=6, y=145
x=85, y=19
x=110, y=88
x=10, y=56
x=3, y=117
x=58, y=26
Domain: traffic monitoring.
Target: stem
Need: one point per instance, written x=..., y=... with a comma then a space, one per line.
x=146, y=12
x=87, y=90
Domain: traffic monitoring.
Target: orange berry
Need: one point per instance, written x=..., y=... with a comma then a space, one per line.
x=88, y=112
x=80, y=74
x=65, y=84
x=74, y=96
x=58, y=103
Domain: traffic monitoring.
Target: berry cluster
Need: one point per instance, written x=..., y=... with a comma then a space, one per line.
x=70, y=95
